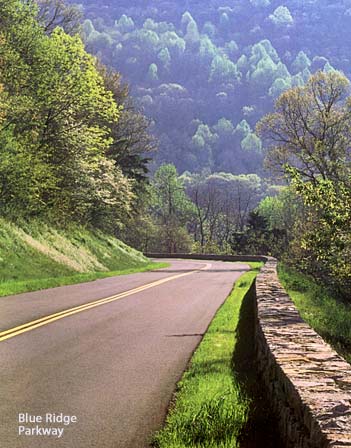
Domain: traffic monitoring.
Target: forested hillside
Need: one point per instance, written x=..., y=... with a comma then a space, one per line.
x=226, y=86
x=206, y=72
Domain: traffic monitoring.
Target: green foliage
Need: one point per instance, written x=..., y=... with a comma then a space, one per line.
x=172, y=209
x=243, y=129
x=192, y=36
x=202, y=143
x=320, y=308
x=260, y=3
x=224, y=127
x=310, y=140
x=301, y=62
x=165, y=58
x=59, y=257
x=207, y=50
x=251, y=143
x=310, y=128
x=124, y=24
x=326, y=242
x=225, y=56
x=222, y=204
x=281, y=17
x=223, y=70
x=231, y=49
x=57, y=123
x=281, y=211
x=264, y=74
x=88, y=28
x=152, y=73
x=278, y=87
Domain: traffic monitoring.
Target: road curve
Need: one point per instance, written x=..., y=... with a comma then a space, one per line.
x=110, y=368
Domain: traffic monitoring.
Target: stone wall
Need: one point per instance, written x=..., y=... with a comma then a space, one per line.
x=308, y=383
x=209, y=257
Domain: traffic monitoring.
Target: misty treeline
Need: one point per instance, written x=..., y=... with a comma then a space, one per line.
x=215, y=67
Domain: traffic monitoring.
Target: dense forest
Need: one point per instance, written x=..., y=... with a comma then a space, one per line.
x=67, y=123
x=206, y=72
x=223, y=87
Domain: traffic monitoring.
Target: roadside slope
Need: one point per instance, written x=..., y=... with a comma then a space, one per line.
x=35, y=255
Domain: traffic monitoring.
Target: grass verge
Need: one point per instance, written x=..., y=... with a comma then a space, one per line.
x=18, y=286
x=328, y=316
x=210, y=407
x=35, y=255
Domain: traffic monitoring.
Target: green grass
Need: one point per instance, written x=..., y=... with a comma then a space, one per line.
x=34, y=255
x=210, y=407
x=18, y=286
x=329, y=317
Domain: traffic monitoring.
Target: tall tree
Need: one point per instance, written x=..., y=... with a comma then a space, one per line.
x=54, y=13
x=56, y=131
x=171, y=207
x=132, y=142
x=311, y=142
x=311, y=128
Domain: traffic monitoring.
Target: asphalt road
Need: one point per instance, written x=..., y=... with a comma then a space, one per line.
x=108, y=371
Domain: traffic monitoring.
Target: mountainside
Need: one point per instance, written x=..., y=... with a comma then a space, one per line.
x=206, y=72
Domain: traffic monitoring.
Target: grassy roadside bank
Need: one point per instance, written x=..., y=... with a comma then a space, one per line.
x=34, y=255
x=328, y=316
x=212, y=407
x=19, y=286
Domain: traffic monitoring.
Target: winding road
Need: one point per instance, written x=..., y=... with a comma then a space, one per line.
x=100, y=360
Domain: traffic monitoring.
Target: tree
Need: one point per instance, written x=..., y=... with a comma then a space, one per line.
x=279, y=86
x=175, y=44
x=132, y=143
x=186, y=19
x=165, y=58
x=310, y=138
x=242, y=129
x=264, y=74
x=301, y=62
x=203, y=141
x=281, y=17
x=171, y=207
x=57, y=126
x=311, y=128
x=222, y=202
x=282, y=214
x=207, y=50
x=326, y=241
x=54, y=13
x=152, y=74
x=206, y=195
x=260, y=3
x=223, y=70
x=125, y=24
x=192, y=35
x=231, y=49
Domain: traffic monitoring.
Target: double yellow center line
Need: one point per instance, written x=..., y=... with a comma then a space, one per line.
x=16, y=331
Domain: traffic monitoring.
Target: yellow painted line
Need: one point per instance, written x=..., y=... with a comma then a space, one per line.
x=12, y=332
